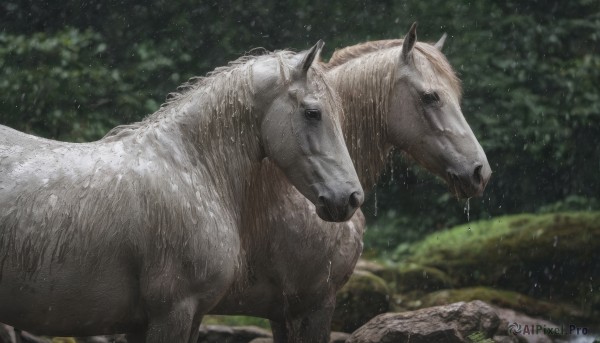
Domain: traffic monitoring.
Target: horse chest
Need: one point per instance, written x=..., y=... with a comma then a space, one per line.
x=194, y=240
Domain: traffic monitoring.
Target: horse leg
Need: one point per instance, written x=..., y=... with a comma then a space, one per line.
x=17, y=333
x=279, y=331
x=308, y=327
x=179, y=324
x=135, y=338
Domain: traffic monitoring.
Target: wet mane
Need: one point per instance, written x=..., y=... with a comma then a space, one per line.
x=233, y=80
x=431, y=53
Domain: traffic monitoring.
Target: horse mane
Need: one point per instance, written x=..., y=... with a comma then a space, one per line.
x=430, y=52
x=365, y=84
x=235, y=93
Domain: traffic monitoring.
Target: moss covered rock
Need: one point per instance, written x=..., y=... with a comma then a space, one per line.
x=385, y=270
x=504, y=299
x=363, y=297
x=551, y=257
x=415, y=277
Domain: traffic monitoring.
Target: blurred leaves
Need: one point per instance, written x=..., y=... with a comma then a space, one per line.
x=60, y=85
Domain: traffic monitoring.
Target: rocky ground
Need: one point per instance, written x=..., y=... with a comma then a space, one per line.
x=543, y=265
x=523, y=278
x=531, y=269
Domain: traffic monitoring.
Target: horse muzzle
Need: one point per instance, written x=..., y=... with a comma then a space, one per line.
x=470, y=182
x=339, y=205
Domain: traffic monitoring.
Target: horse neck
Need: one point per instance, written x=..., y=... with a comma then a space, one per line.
x=365, y=89
x=217, y=134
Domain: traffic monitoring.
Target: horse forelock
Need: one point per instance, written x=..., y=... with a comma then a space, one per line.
x=318, y=72
x=348, y=53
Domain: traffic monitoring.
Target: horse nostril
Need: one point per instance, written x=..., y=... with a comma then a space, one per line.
x=356, y=199
x=321, y=200
x=477, y=173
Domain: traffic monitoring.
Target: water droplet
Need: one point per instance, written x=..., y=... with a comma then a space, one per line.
x=52, y=200
x=375, y=211
x=392, y=171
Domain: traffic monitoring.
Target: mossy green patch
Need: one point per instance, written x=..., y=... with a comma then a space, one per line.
x=364, y=296
x=411, y=277
x=517, y=231
x=501, y=298
x=553, y=257
x=236, y=321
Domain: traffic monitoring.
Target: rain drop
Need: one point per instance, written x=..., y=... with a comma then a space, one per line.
x=375, y=211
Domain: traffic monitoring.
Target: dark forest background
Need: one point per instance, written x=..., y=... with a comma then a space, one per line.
x=71, y=70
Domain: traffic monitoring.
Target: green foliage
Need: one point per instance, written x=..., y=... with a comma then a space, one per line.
x=571, y=203
x=60, y=86
x=236, y=321
x=479, y=337
x=45, y=79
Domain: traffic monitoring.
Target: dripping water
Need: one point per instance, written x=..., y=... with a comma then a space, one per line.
x=467, y=210
x=391, y=171
x=375, y=211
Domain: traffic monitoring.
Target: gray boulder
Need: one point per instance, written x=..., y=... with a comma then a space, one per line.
x=335, y=337
x=460, y=322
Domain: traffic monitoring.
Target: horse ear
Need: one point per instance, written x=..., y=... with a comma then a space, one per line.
x=312, y=55
x=440, y=44
x=409, y=41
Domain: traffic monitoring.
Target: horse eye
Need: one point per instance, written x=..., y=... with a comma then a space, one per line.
x=313, y=114
x=430, y=98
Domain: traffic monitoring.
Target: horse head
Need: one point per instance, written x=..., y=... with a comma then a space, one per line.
x=426, y=120
x=301, y=133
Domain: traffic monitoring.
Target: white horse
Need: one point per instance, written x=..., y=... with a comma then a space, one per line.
x=139, y=232
x=395, y=93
